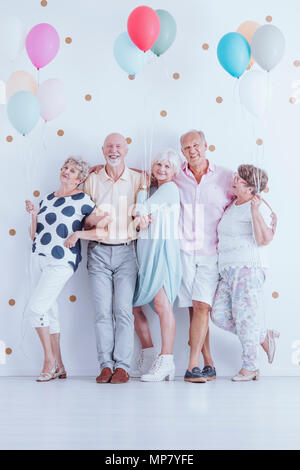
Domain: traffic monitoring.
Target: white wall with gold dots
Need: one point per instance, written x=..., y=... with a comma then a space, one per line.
x=186, y=88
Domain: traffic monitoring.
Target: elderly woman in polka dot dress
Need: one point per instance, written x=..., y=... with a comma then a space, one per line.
x=56, y=230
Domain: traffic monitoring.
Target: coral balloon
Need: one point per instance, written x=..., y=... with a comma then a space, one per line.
x=18, y=81
x=23, y=111
x=42, y=44
x=247, y=29
x=51, y=95
x=143, y=27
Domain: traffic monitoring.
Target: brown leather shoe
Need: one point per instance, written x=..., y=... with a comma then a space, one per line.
x=105, y=376
x=120, y=376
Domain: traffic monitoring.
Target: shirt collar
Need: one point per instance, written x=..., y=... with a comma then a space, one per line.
x=211, y=167
x=123, y=177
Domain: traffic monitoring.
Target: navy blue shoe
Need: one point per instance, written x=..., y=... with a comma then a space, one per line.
x=209, y=373
x=195, y=376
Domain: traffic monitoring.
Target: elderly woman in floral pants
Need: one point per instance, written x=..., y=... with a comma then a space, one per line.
x=246, y=227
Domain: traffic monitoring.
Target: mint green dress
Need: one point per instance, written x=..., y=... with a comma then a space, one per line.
x=158, y=250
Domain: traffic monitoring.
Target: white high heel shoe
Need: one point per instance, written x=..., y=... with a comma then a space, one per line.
x=163, y=368
x=47, y=376
x=272, y=335
x=246, y=378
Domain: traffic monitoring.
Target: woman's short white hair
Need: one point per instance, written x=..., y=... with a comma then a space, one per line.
x=82, y=166
x=171, y=156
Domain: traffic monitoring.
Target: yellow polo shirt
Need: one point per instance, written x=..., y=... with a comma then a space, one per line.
x=118, y=198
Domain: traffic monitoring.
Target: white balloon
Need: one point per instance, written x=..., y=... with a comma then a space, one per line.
x=12, y=36
x=267, y=46
x=255, y=92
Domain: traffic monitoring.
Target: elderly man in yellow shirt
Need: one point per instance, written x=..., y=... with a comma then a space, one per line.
x=112, y=264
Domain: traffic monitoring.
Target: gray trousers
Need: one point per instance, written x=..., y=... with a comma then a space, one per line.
x=113, y=272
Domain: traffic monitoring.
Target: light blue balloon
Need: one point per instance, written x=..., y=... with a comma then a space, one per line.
x=23, y=111
x=234, y=53
x=129, y=57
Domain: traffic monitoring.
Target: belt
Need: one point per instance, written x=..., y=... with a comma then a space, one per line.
x=116, y=244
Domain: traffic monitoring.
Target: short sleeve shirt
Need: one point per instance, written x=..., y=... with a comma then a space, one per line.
x=57, y=219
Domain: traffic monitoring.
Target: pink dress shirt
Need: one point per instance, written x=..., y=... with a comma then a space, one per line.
x=202, y=206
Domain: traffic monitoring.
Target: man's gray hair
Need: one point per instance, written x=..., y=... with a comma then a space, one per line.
x=82, y=167
x=196, y=132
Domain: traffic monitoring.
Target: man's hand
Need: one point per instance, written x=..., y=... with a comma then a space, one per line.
x=72, y=240
x=96, y=169
x=143, y=221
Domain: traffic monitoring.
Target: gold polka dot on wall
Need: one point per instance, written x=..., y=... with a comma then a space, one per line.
x=12, y=232
x=128, y=140
x=259, y=142
x=12, y=302
x=36, y=193
x=211, y=148
x=68, y=40
x=131, y=77
x=9, y=138
x=60, y=132
x=205, y=46
x=163, y=113
x=73, y=298
x=176, y=76
x=88, y=97
x=275, y=295
x=292, y=100
x=44, y=3
x=269, y=18
x=8, y=351
x=296, y=63
x=219, y=99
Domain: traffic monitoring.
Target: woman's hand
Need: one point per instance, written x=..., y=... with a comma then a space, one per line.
x=72, y=240
x=30, y=208
x=256, y=202
x=96, y=169
x=143, y=221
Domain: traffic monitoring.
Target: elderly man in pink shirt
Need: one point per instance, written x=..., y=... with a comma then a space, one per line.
x=205, y=192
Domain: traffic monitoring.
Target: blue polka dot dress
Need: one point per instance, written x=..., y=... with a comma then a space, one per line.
x=57, y=219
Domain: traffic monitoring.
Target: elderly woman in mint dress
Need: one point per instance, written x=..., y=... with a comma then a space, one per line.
x=158, y=255
x=56, y=230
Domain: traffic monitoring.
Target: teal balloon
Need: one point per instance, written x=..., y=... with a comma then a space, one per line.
x=23, y=111
x=234, y=53
x=167, y=33
x=129, y=57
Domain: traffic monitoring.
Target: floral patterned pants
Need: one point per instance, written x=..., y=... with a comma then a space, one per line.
x=237, y=308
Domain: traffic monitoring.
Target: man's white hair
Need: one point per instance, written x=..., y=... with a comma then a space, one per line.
x=194, y=131
x=170, y=155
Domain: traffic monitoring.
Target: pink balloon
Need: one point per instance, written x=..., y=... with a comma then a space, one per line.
x=42, y=44
x=51, y=95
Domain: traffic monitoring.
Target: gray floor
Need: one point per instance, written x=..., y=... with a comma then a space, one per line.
x=79, y=414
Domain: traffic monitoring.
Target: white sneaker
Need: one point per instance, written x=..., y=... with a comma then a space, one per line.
x=163, y=368
x=144, y=362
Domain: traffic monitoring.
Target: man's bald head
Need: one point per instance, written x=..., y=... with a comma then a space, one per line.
x=115, y=149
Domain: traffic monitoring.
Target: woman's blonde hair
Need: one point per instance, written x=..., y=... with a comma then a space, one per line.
x=82, y=167
x=255, y=178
